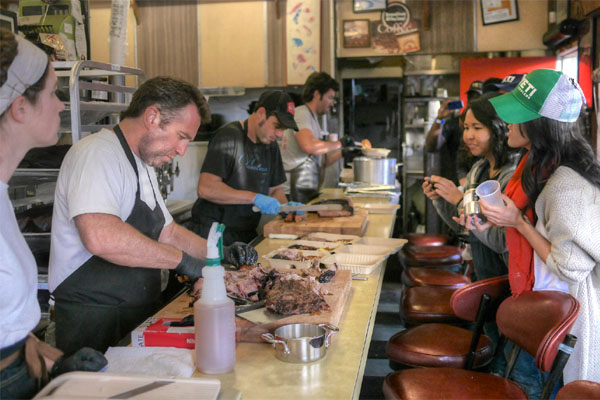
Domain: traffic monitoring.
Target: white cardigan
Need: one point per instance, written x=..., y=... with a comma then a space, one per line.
x=569, y=207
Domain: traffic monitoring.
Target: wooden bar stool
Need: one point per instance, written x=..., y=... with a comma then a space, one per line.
x=537, y=321
x=578, y=390
x=426, y=239
x=442, y=345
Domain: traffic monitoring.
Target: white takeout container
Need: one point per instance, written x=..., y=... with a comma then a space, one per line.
x=287, y=264
x=388, y=242
x=358, y=263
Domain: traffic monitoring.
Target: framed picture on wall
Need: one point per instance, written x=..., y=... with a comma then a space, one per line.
x=357, y=33
x=368, y=5
x=498, y=11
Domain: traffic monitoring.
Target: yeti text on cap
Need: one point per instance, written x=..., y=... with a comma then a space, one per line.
x=526, y=88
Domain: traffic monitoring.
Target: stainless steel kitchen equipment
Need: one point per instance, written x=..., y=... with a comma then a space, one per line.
x=301, y=343
x=381, y=171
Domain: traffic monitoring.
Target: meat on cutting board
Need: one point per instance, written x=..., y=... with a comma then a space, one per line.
x=292, y=295
x=346, y=202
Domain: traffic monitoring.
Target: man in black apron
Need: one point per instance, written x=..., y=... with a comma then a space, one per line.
x=116, y=286
x=243, y=168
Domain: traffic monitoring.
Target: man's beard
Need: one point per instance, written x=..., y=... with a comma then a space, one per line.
x=145, y=148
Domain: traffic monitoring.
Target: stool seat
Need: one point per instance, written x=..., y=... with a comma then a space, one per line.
x=426, y=304
x=577, y=390
x=426, y=239
x=423, y=276
x=448, y=383
x=428, y=255
x=437, y=345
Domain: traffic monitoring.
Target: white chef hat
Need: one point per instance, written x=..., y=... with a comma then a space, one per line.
x=26, y=69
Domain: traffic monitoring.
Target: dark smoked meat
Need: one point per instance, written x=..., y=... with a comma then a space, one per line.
x=292, y=295
x=346, y=202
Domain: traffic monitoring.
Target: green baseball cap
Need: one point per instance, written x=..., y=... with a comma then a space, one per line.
x=541, y=93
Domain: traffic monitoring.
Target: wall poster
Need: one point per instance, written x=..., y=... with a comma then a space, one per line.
x=303, y=39
x=397, y=32
x=497, y=11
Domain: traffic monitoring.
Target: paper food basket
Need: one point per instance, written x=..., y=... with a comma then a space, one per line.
x=357, y=263
x=366, y=249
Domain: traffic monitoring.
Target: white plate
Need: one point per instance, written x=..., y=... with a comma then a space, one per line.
x=278, y=263
x=376, y=152
x=358, y=263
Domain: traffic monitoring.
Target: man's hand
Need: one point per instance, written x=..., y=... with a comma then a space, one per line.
x=267, y=204
x=443, y=111
x=238, y=254
x=190, y=267
x=84, y=359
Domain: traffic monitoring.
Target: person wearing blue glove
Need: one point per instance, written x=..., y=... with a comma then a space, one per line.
x=242, y=169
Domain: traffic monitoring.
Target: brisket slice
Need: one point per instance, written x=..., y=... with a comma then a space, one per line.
x=346, y=202
x=292, y=295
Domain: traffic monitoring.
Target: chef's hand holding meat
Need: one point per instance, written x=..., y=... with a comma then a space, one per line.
x=238, y=254
x=190, y=268
x=85, y=359
x=267, y=204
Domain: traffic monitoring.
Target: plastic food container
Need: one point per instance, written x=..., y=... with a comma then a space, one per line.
x=387, y=242
x=331, y=237
x=358, y=263
x=319, y=246
x=365, y=249
x=279, y=263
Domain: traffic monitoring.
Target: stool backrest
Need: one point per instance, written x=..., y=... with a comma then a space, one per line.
x=465, y=301
x=538, y=322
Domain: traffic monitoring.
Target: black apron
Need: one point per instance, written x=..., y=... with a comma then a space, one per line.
x=101, y=302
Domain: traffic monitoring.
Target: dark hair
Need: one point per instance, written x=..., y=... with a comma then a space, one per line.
x=320, y=81
x=169, y=95
x=9, y=46
x=555, y=143
x=484, y=112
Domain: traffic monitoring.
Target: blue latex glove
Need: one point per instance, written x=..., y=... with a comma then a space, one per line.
x=267, y=204
x=295, y=203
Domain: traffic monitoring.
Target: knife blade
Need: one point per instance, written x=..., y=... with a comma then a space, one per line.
x=307, y=208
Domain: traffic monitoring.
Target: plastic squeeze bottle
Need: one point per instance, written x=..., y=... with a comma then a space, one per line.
x=214, y=312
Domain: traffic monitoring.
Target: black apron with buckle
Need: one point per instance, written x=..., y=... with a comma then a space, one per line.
x=101, y=302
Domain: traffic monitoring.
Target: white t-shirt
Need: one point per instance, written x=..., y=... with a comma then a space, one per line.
x=291, y=153
x=95, y=177
x=19, y=307
x=545, y=279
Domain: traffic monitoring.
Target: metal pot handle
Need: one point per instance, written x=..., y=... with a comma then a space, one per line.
x=332, y=330
x=268, y=337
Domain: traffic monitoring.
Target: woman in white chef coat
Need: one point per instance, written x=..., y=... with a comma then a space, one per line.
x=29, y=117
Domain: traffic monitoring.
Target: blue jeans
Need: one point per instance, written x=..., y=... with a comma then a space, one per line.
x=15, y=382
x=526, y=374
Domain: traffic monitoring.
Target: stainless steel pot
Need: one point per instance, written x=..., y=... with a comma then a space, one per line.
x=301, y=343
x=380, y=171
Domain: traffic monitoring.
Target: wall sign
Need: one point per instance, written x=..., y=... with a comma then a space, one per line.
x=497, y=11
x=359, y=6
x=397, y=32
x=357, y=33
x=303, y=39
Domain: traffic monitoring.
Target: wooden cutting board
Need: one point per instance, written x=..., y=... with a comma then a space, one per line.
x=354, y=225
x=339, y=290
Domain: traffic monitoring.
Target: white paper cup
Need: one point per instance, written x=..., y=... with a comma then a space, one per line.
x=333, y=137
x=489, y=192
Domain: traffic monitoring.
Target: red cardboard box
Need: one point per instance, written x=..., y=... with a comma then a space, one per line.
x=154, y=332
